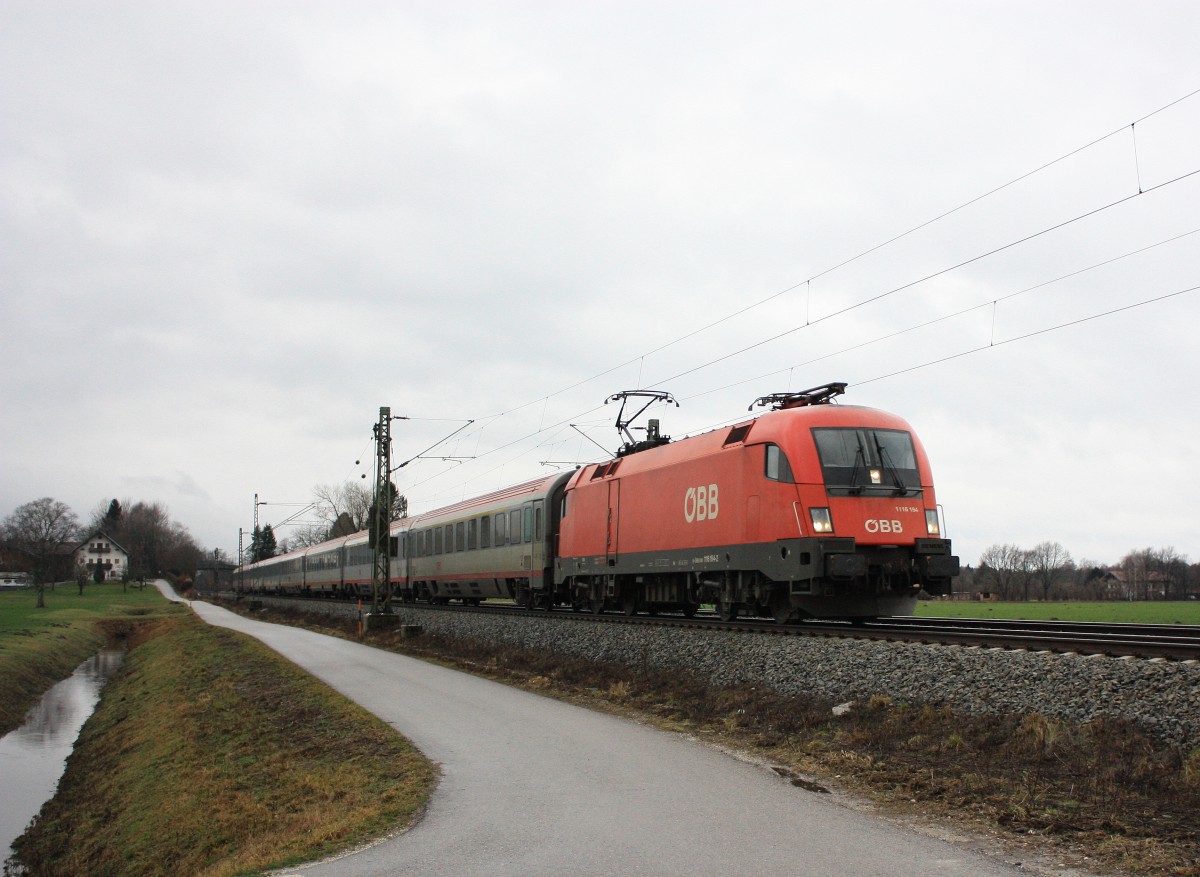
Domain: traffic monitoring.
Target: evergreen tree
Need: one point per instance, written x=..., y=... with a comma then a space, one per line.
x=266, y=543
x=112, y=519
x=255, y=545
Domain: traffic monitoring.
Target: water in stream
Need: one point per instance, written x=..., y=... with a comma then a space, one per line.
x=33, y=756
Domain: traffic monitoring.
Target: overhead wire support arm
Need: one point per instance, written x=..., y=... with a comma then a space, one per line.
x=434, y=445
x=589, y=438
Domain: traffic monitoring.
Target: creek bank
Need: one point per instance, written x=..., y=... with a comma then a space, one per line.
x=211, y=754
x=35, y=754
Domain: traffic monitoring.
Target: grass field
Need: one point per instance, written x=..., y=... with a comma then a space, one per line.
x=1155, y=612
x=65, y=605
x=38, y=647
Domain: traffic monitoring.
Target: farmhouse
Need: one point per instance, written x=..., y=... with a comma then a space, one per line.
x=100, y=549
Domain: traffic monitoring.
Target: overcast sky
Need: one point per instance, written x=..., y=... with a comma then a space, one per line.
x=230, y=232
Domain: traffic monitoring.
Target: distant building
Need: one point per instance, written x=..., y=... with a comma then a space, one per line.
x=100, y=549
x=214, y=576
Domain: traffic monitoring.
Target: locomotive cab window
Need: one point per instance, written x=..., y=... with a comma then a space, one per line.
x=777, y=466
x=868, y=462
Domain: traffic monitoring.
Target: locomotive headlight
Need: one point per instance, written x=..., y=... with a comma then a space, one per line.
x=821, y=522
x=931, y=522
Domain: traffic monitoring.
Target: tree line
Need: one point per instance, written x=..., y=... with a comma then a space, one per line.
x=37, y=538
x=1048, y=572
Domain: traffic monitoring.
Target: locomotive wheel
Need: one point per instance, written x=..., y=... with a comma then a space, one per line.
x=689, y=610
x=597, y=605
x=727, y=610
x=629, y=604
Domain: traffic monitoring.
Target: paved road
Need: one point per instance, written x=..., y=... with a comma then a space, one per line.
x=531, y=786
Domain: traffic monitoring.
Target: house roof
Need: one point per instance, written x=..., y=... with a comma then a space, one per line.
x=100, y=533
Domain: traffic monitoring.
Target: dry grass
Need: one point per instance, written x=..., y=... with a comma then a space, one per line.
x=210, y=755
x=1105, y=789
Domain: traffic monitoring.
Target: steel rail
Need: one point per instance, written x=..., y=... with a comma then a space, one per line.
x=1149, y=641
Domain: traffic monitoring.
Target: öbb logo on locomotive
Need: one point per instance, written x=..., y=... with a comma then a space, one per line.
x=701, y=503
x=811, y=509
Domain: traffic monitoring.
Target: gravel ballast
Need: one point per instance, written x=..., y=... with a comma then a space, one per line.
x=1163, y=697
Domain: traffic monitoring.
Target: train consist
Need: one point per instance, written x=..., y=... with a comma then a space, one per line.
x=812, y=509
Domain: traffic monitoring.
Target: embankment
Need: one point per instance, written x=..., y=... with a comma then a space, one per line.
x=211, y=755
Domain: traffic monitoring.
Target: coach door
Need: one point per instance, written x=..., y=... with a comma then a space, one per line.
x=614, y=509
x=535, y=536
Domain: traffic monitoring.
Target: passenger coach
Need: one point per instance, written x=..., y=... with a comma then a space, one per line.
x=499, y=545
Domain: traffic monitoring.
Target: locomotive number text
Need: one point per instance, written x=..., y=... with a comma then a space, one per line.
x=700, y=503
x=877, y=526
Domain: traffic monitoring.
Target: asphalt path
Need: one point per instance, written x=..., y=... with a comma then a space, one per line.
x=533, y=786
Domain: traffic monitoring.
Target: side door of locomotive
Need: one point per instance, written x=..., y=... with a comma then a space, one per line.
x=612, y=529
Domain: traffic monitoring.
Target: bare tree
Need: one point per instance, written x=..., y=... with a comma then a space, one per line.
x=1155, y=573
x=346, y=509
x=156, y=544
x=352, y=499
x=1003, y=570
x=307, y=536
x=1049, y=564
x=39, y=529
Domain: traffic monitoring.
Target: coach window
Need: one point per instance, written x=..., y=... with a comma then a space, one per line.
x=777, y=468
x=460, y=536
x=538, y=529
x=500, y=520
x=485, y=531
x=437, y=540
x=514, y=527
x=528, y=534
x=472, y=525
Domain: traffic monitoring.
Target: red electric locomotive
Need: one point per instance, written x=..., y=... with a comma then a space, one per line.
x=812, y=509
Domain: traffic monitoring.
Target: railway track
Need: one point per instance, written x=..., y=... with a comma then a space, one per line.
x=1149, y=641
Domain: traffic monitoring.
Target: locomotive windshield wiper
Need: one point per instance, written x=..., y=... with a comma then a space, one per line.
x=885, y=458
x=859, y=464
